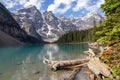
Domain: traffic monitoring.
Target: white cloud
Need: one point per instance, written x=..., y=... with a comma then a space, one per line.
x=9, y=3
x=84, y=4
x=80, y=4
x=55, y=6
x=58, y=6
x=68, y=4
x=24, y=3
x=37, y=3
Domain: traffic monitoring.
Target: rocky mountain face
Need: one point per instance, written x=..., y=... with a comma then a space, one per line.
x=7, y=40
x=50, y=27
x=87, y=21
x=27, y=20
x=10, y=27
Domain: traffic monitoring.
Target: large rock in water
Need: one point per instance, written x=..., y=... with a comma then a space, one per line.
x=10, y=27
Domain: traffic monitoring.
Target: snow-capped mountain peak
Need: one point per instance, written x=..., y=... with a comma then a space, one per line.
x=50, y=27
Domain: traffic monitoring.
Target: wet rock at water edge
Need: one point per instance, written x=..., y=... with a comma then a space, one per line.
x=36, y=72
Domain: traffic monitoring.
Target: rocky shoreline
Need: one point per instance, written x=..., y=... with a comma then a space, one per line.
x=94, y=66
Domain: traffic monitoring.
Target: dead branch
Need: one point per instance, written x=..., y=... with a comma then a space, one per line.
x=73, y=74
x=93, y=64
x=55, y=65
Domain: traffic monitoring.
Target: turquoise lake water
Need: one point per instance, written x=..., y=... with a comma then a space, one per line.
x=26, y=62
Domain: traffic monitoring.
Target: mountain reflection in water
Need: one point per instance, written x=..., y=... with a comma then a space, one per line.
x=25, y=62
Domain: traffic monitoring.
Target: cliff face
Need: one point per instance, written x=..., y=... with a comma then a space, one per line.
x=7, y=40
x=29, y=19
x=50, y=27
x=10, y=27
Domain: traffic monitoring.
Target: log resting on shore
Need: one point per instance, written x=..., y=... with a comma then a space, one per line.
x=55, y=65
x=94, y=65
x=99, y=68
x=74, y=72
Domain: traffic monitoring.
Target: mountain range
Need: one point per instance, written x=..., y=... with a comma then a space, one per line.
x=10, y=31
x=49, y=27
x=29, y=25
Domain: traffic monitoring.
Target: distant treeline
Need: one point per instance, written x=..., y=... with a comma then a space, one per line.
x=79, y=36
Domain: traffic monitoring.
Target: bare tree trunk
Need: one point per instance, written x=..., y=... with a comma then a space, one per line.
x=55, y=65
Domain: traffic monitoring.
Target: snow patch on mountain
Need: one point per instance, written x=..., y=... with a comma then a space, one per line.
x=50, y=27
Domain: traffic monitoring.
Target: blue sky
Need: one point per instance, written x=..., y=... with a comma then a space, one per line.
x=58, y=7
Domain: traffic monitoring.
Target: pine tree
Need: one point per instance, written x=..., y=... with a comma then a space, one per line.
x=109, y=29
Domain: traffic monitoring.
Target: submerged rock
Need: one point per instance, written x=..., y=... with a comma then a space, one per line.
x=36, y=72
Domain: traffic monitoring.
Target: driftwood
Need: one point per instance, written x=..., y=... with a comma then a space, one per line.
x=74, y=72
x=55, y=65
x=90, y=53
x=94, y=45
x=93, y=64
x=99, y=68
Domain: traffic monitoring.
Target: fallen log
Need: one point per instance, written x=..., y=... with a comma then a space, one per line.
x=99, y=68
x=72, y=67
x=73, y=74
x=55, y=65
x=93, y=64
x=90, y=74
x=90, y=53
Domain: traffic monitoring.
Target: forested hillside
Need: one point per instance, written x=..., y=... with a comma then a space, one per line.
x=108, y=32
x=109, y=29
x=79, y=36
